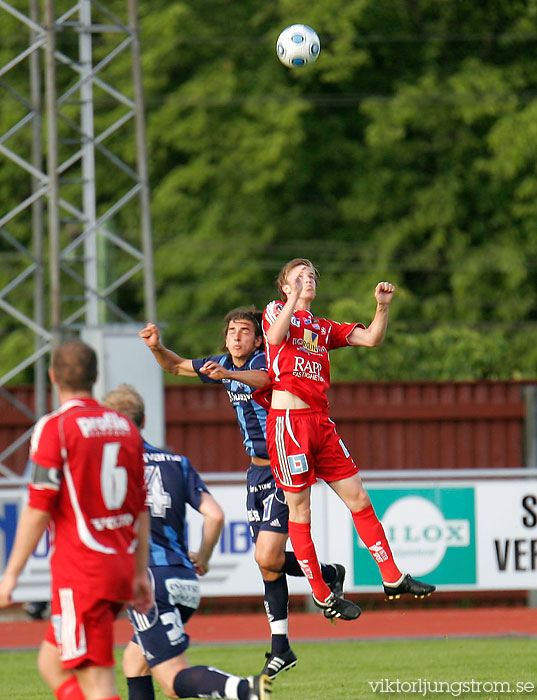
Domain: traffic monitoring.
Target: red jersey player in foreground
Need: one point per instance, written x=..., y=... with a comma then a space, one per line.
x=88, y=486
x=302, y=439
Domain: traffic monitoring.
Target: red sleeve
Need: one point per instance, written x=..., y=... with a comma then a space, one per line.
x=45, y=448
x=42, y=498
x=339, y=334
x=45, y=451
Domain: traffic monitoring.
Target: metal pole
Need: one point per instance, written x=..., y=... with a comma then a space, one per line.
x=52, y=166
x=141, y=154
x=40, y=367
x=88, y=164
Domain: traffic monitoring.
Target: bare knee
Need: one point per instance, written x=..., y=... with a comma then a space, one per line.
x=270, y=553
x=49, y=666
x=134, y=663
x=360, y=501
x=166, y=672
x=168, y=689
x=269, y=561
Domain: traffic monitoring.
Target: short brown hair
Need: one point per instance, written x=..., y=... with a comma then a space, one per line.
x=286, y=269
x=244, y=313
x=125, y=399
x=74, y=365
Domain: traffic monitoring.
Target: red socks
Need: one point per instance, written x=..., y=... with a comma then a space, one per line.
x=69, y=690
x=300, y=535
x=372, y=534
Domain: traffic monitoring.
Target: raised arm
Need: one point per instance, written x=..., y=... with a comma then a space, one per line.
x=168, y=360
x=213, y=522
x=280, y=326
x=374, y=334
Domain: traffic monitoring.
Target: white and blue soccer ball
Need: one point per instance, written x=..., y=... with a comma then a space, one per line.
x=298, y=45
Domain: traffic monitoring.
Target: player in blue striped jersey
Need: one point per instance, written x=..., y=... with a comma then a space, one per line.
x=160, y=641
x=242, y=370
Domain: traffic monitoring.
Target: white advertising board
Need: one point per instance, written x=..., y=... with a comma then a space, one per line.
x=476, y=534
x=507, y=529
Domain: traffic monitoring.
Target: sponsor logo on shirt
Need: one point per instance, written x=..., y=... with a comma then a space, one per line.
x=161, y=457
x=310, y=342
x=235, y=396
x=107, y=424
x=112, y=522
x=307, y=369
x=262, y=487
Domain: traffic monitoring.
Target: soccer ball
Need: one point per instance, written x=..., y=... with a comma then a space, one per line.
x=298, y=45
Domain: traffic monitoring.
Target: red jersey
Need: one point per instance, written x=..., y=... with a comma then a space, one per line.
x=89, y=476
x=301, y=363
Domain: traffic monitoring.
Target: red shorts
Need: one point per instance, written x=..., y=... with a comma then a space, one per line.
x=82, y=628
x=304, y=446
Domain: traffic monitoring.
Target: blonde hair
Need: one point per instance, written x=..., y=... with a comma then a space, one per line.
x=281, y=280
x=125, y=399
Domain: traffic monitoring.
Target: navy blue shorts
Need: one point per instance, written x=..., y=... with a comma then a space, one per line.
x=161, y=634
x=265, y=502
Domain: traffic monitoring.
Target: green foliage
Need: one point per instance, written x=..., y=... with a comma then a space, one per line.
x=406, y=152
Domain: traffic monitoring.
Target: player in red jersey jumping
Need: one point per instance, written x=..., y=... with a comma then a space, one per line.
x=88, y=487
x=302, y=439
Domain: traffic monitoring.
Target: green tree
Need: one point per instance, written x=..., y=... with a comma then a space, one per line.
x=406, y=152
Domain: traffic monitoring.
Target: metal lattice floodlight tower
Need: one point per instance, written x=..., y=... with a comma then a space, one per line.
x=79, y=167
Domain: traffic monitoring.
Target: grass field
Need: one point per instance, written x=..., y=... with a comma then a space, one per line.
x=349, y=670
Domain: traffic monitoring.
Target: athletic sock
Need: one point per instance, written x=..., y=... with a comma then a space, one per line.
x=292, y=568
x=208, y=682
x=141, y=688
x=371, y=532
x=300, y=535
x=69, y=690
x=277, y=606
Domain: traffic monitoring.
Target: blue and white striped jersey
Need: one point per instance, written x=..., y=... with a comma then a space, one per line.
x=252, y=418
x=171, y=482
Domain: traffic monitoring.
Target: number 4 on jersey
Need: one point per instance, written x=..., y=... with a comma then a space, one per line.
x=157, y=498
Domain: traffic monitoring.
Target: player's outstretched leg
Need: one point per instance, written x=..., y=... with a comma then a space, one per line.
x=210, y=682
x=335, y=606
x=408, y=585
x=260, y=687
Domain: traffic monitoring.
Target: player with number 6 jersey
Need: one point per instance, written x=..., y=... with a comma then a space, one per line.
x=87, y=487
x=87, y=471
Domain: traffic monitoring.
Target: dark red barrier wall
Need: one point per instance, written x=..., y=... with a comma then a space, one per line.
x=407, y=425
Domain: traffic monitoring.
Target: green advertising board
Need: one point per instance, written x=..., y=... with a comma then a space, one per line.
x=431, y=533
